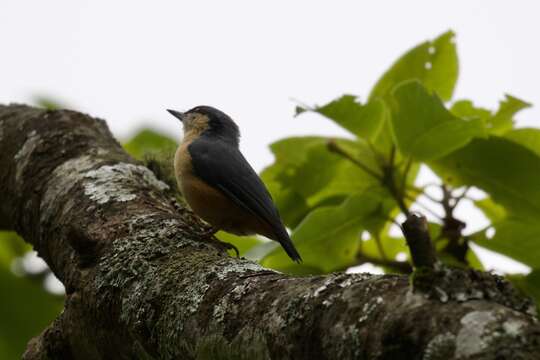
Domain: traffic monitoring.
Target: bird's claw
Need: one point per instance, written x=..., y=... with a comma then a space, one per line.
x=209, y=234
x=229, y=246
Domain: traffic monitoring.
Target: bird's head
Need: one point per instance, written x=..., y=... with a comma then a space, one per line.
x=208, y=121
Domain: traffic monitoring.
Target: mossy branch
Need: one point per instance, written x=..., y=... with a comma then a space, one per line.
x=142, y=282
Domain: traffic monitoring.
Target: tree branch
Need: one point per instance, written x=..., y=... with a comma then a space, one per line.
x=141, y=282
x=423, y=253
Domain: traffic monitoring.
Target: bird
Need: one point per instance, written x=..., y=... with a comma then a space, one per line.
x=219, y=184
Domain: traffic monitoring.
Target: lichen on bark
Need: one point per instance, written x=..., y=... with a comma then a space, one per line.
x=144, y=281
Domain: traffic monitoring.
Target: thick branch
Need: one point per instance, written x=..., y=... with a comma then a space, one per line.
x=141, y=284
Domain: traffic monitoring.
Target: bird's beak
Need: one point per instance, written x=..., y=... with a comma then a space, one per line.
x=176, y=114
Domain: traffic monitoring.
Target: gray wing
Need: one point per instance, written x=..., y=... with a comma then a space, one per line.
x=223, y=166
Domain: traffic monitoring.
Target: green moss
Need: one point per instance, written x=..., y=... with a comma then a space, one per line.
x=454, y=284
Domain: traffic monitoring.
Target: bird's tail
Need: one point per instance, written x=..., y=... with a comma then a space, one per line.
x=288, y=246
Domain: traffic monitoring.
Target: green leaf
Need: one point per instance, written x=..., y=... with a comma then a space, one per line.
x=465, y=109
x=364, y=121
x=528, y=137
x=149, y=141
x=516, y=238
x=491, y=209
x=422, y=126
x=439, y=76
x=473, y=260
x=497, y=123
x=290, y=154
x=259, y=251
x=344, y=177
x=307, y=175
x=503, y=120
x=507, y=171
x=391, y=246
x=25, y=310
x=11, y=246
x=328, y=238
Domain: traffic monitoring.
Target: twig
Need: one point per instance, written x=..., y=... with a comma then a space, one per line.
x=335, y=148
x=393, y=221
x=405, y=174
x=431, y=184
x=389, y=182
x=392, y=155
x=445, y=202
x=460, y=197
x=421, y=192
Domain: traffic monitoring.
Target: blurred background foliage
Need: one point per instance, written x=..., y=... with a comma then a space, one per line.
x=342, y=197
x=26, y=307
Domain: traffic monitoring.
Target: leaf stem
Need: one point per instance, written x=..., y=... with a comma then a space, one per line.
x=335, y=148
x=424, y=194
x=405, y=174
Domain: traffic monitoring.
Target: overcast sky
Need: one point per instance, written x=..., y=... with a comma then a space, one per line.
x=127, y=61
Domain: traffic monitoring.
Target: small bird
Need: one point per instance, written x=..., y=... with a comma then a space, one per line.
x=219, y=184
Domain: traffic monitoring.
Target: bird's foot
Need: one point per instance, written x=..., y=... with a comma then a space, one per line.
x=209, y=234
x=225, y=246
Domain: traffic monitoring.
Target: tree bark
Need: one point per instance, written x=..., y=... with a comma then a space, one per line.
x=143, y=283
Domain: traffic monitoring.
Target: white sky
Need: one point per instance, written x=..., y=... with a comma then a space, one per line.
x=126, y=61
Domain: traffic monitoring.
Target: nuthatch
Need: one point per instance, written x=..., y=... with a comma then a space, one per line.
x=219, y=184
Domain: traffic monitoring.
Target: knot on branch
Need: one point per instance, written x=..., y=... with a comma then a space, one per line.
x=453, y=284
x=438, y=281
x=416, y=232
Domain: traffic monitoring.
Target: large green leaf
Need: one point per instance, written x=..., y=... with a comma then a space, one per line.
x=528, y=137
x=518, y=238
x=328, y=238
x=290, y=154
x=344, y=179
x=364, y=121
x=422, y=126
x=25, y=310
x=259, y=251
x=390, y=246
x=149, y=141
x=496, y=123
x=473, y=260
x=434, y=63
x=493, y=211
x=11, y=246
x=307, y=175
x=509, y=172
x=466, y=109
x=503, y=120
